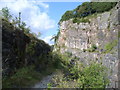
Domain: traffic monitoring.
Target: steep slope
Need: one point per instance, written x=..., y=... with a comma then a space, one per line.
x=14, y=44
x=20, y=50
x=95, y=38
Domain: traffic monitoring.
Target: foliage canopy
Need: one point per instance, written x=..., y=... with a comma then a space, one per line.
x=88, y=8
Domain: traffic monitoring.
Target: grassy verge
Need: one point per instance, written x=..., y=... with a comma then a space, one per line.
x=25, y=77
x=29, y=75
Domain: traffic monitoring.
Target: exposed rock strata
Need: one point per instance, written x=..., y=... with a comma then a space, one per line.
x=100, y=31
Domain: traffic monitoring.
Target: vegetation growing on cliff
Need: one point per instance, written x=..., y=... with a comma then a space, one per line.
x=93, y=75
x=109, y=46
x=118, y=34
x=22, y=53
x=83, y=20
x=88, y=8
x=75, y=74
x=40, y=59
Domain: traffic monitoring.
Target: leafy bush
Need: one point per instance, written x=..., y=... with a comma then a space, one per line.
x=80, y=76
x=94, y=46
x=6, y=13
x=75, y=20
x=84, y=20
x=93, y=76
x=67, y=15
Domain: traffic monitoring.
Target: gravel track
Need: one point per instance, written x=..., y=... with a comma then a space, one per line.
x=43, y=83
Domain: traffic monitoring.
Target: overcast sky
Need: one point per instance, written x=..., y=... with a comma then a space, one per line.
x=40, y=16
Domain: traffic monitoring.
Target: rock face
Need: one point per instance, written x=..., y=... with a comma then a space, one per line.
x=93, y=41
x=14, y=44
x=19, y=50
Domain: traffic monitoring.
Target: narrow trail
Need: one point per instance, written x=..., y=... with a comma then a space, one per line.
x=43, y=83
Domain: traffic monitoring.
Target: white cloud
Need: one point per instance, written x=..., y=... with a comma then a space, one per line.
x=48, y=40
x=32, y=13
x=43, y=4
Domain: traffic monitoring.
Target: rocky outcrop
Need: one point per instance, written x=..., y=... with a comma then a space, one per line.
x=95, y=40
x=14, y=43
x=36, y=53
x=19, y=49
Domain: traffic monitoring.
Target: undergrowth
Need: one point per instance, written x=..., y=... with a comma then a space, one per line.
x=25, y=76
x=75, y=74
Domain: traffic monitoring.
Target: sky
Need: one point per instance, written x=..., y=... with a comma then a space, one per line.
x=42, y=17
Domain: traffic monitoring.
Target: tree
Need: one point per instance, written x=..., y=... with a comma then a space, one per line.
x=67, y=15
x=54, y=37
x=15, y=21
x=88, y=8
x=23, y=25
x=20, y=20
x=27, y=30
x=36, y=35
x=6, y=13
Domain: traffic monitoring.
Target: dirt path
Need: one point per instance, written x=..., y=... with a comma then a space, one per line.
x=43, y=83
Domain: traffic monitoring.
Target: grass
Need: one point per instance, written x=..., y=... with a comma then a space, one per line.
x=109, y=46
x=25, y=77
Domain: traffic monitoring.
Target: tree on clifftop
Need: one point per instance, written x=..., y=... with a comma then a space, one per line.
x=6, y=13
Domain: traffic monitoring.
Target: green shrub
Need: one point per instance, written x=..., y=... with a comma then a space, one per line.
x=57, y=60
x=75, y=20
x=49, y=85
x=93, y=76
x=6, y=13
x=93, y=48
x=81, y=20
x=84, y=20
x=69, y=54
x=84, y=50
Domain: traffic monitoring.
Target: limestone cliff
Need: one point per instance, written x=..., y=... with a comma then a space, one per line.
x=95, y=40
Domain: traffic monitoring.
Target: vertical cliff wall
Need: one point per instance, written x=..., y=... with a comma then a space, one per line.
x=94, y=40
